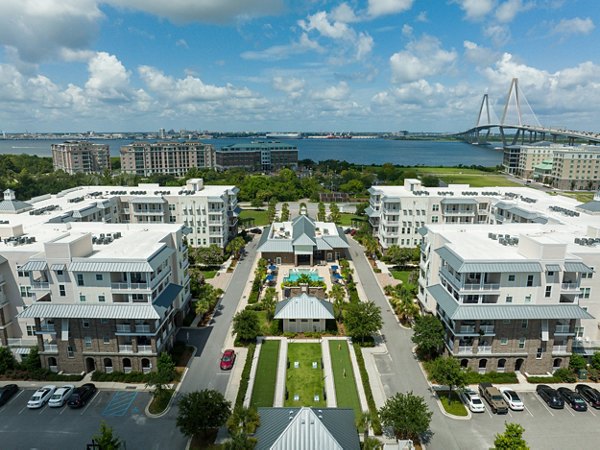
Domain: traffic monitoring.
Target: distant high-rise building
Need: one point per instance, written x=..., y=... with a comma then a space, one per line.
x=173, y=158
x=161, y=133
x=81, y=157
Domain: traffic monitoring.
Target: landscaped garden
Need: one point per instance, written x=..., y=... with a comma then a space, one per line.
x=343, y=376
x=254, y=217
x=263, y=392
x=304, y=383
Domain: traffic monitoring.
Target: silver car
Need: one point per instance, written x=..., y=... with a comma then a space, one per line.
x=61, y=396
x=41, y=397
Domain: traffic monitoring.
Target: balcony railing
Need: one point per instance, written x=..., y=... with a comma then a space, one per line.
x=484, y=350
x=50, y=348
x=130, y=286
x=53, y=369
x=125, y=348
x=22, y=342
x=122, y=328
x=465, y=349
x=108, y=369
x=142, y=328
x=562, y=329
x=46, y=328
x=569, y=287
x=37, y=285
x=559, y=349
x=481, y=287
x=145, y=349
x=466, y=329
x=486, y=329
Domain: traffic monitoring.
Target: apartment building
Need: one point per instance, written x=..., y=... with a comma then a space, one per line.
x=172, y=158
x=267, y=156
x=533, y=155
x=209, y=213
x=576, y=168
x=81, y=157
x=93, y=296
x=512, y=297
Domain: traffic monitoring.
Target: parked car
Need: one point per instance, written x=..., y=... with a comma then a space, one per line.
x=512, y=399
x=227, y=359
x=6, y=393
x=494, y=398
x=41, y=396
x=550, y=396
x=82, y=395
x=61, y=396
x=589, y=393
x=473, y=401
x=575, y=401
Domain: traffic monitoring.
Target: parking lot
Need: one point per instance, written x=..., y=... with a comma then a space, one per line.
x=66, y=428
x=544, y=427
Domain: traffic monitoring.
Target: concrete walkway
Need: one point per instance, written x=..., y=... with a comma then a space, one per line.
x=281, y=374
x=328, y=378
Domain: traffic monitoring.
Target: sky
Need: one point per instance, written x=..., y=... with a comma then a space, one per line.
x=292, y=65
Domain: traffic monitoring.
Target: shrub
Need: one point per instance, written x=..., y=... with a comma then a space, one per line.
x=577, y=362
x=120, y=377
x=565, y=375
x=595, y=361
x=544, y=380
x=239, y=400
x=289, y=334
x=491, y=377
x=375, y=422
x=594, y=374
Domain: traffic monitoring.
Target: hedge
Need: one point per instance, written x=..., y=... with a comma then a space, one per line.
x=239, y=400
x=120, y=377
x=39, y=375
x=544, y=380
x=375, y=423
x=492, y=377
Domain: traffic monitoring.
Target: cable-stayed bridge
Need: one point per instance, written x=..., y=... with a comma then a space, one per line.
x=519, y=124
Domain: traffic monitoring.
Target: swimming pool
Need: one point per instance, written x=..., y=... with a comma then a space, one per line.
x=296, y=273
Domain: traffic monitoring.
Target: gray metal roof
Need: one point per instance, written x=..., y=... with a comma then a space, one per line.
x=553, y=267
x=276, y=245
x=487, y=266
x=30, y=266
x=577, y=267
x=304, y=239
x=323, y=245
x=55, y=267
x=306, y=429
x=458, y=201
x=110, y=266
x=166, y=297
x=43, y=310
x=88, y=210
x=456, y=311
x=303, y=225
x=150, y=199
x=336, y=241
x=304, y=307
x=13, y=206
x=593, y=206
x=371, y=212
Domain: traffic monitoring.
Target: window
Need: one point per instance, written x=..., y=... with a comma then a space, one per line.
x=30, y=330
x=548, y=292
x=99, y=277
x=87, y=341
x=524, y=323
x=61, y=290
x=509, y=299
x=106, y=339
x=70, y=352
x=550, y=273
x=103, y=321
x=25, y=291
x=81, y=298
x=80, y=280
x=59, y=272
x=292, y=320
x=85, y=323
x=529, y=280
x=435, y=207
x=101, y=298
x=528, y=298
x=511, y=278
x=585, y=292
x=506, y=321
x=434, y=219
x=522, y=343
x=503, y=341
x=579, y=332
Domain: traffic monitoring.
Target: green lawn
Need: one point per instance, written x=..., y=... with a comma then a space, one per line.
x=263, y=392
x=582, y=197
x=345, y=386
x=208, y=273
x=346, y=219
x=259, y=216
x=304, y=381
x=401, y=275
x=473, y=177
x=455, y=407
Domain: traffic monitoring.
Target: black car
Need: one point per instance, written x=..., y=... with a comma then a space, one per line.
x=6, y=393
x=589, y=393
x=574, y=400
x=550, y=396
x=82, y=395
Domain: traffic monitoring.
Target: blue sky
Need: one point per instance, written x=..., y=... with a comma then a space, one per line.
x=282, y=65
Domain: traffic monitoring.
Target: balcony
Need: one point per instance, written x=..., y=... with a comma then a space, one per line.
x=465, y=350
x=123, y=328
x=50, y=348
x=486, y=329
x=46, y=328
x=467, y=329
x=142, y=329
x=563, y=329
x=130, y=287
x=484, y=350
x=22, y=342
x=125, y=349
x=40, y=285
x=459, y=212
x=559, y=349
x=481, y=287
x=145, y=349
x=570, y=287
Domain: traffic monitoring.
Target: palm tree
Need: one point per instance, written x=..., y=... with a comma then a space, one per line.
x=364, y=422
x=269, y=302
x=337, y=294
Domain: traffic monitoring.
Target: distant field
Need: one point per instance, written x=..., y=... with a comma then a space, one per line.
x=582, y=197
x=347, y=219
x=449, y=171
x=473, y=177
x=259, y=216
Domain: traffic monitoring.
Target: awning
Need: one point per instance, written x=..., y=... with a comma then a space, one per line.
x=577, y=267
x=552, y=268
x=52, y=310
x=64, y=330
x=31, y=266
x=89, y=265
x=22, y=350
x=57, y=267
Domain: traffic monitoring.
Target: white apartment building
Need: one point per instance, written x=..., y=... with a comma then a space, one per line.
x=81, y=157
x=92, y=296
x=515, y=296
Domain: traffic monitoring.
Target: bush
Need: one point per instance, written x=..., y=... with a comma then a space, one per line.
x=40, y=375
x=253, y=297
x=120, y=377
x=565, y=375
x=595, y=361
x=491, y=377
x=375, y=422
x=544, y=380
x=577, y=362
x=239, y=400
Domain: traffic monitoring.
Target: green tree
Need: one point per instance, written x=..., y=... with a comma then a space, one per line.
x=201, y=307
x=406, y=308
x=429, y=336
x=240, y=441
x=164, y=374
x=271, y=210
x=244, y=420
x=595, y=362
x=235, y=246
x=446, y=371
x=372, y=444
x=32, y=361
x=106, y=439
x=285, y=212
x=401, y=255
x=201, y=411
x=430, y=181
x=511, y=439
x=321, y=212
x=363, y=319
x=577, y=362
x=337, y=294
x=269, y=302
x=360, y=208
x=334, y=213
x=206, y=256
x=246, y=325
x=407, y=415
x=364, y=422
x=7, y=360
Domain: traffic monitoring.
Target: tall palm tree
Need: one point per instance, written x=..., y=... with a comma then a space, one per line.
x=364, y=422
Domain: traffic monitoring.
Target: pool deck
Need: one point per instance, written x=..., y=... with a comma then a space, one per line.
x=323, y=271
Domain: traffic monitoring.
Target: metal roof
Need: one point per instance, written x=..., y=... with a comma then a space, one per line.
x=457, y=311
x=110, y=266
x=577, y=267
x=14, y=206
x=56, y=267
x=336, y=241
x=487, y=266
x=458, y=201
x=43, y=310
x=371, y=212
x=277, y=245
x=304, y=307
x=593, y=206
x=323, y=245
x=147, y=200
x=304, y=239
x=552, y=268
x=166, y=297
x=303, y=225
x=306, y=429
x=30, y=266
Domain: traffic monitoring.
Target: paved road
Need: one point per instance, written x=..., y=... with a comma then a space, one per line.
x=398, y=369
x=204, y=372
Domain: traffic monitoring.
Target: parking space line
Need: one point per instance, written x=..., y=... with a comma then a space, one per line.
x=42, y=409
x=509, y=413
x=544, y=405
x=89, y=403
x=23, y=409
x=569, y=409
x=13, y=399
x=527, y=409
x=592, y=412
x=119, y=404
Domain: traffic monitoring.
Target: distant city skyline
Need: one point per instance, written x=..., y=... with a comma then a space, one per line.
x=279, y=65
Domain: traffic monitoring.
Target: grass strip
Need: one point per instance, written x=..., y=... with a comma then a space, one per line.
x=265, y=379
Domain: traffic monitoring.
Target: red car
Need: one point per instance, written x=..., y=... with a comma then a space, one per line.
x=227, y=359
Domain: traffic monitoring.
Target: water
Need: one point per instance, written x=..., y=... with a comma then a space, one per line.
x=359, y=151
x=293, y=276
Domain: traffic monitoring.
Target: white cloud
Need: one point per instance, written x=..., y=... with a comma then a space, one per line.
x=407, y=30
x=507, y=11
x=278, y=52
x=421, y=58
x=109, y=80
x=40, y=30
x=291, y=86
x=576, y=25
x=344, y=13
x=338, y=92
x=320, y=22
x=182, y=43
x=498, y=34
x=478, y=55
x=476, y=9
x=384, y=7
x=364, y=46
x=422, y=17
x=219, y=11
